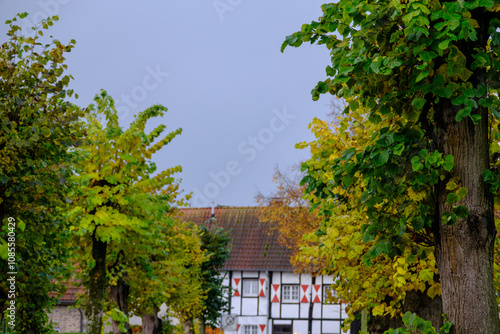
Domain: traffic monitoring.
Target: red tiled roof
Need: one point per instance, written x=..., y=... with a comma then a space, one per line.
x=254, y=246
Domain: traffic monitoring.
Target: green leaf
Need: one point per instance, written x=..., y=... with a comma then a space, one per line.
x=381, y=158
x=422, y=75
x=398, y=149
x=22, y=225
x=348, y=154
x=462, y=192
x=444, y=44
x=475, y=118
x=495, y=112
x=416, y=164
x=449, y=163
x=486, y=3
x=463, y=113
x=347, y=181
x=418, y=102
x=427, y=55
x=445, y=92
x=461, y=211
x=418, y=223
x=460, y=99
x=452, y=198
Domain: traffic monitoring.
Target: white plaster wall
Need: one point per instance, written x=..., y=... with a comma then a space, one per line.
x=290, y=278
x=300, y=327
x=290, y=311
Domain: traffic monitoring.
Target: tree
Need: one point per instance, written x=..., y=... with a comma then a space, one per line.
x=388, y=285
x=427, y=72
x=288, y=212
x=215, y=242
x=118, y=205
x=38, y=130
x=173, y=277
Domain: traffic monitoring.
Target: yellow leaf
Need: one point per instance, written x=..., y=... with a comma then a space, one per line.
x=434, y=290
x=378, y=310
x=451, y=185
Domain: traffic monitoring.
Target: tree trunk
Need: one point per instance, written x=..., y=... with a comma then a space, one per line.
x=119, y=294
x=464, y=251
x=151, y=324
x=200, y=324
x=97, y=287
x=415, y=302
x=187, y=325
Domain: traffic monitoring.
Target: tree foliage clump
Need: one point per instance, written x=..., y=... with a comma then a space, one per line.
x=39, y=130
x=289, y=213
x=425, y=73
x=365, y=277
x=123, y=219
x=215, y=243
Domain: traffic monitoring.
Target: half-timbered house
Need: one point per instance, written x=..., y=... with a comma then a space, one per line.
x=267, y=296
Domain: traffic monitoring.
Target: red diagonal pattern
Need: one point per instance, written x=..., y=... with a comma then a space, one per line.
x=262, y=327
x=304, y=287
x=276, y=287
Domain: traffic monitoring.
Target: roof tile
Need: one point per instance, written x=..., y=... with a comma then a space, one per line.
x=254, y=245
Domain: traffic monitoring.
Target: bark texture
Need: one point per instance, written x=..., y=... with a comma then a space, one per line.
x=187, y=325
x=151, y=323
x=464, y=251
x=97, y=287
x=119, y=295
x=415, y=302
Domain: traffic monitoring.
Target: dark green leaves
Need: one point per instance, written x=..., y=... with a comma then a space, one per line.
x=416, y=164
x=381, y=158
x=348, y=154
x=418, y=102
x=463, y=113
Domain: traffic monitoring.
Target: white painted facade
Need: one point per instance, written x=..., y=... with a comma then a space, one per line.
x=278, y=302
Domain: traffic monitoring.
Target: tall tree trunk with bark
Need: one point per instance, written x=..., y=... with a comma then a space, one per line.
x=97, y=286
x=187, y=324
x=119, y=294
x=464, y=251
x=151, y=323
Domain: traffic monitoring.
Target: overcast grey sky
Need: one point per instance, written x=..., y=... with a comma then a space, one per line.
x=215, y=64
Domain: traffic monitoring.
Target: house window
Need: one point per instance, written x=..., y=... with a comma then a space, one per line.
x=250, y=288
x=328, y=292
x=250, y=329
x=282, y=329
x=290, y=293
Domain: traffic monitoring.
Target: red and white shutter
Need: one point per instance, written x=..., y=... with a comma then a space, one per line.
x=262, y=287
x=316, y=295
x=303, y=293
x=275, y=293
x=237, y=287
